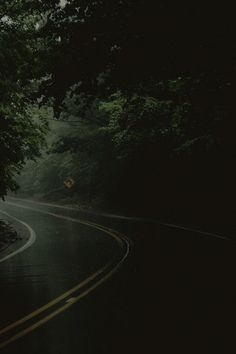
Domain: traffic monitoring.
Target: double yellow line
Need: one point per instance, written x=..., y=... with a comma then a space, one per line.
x=91, y=283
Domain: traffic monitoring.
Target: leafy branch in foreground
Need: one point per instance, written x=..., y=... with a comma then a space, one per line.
x=20, y=135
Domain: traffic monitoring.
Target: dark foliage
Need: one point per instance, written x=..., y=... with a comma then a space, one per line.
x=151, y=85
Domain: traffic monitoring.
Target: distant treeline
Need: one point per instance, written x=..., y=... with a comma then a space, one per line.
x=140, y=155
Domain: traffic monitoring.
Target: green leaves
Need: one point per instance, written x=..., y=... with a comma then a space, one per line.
x=20, y=135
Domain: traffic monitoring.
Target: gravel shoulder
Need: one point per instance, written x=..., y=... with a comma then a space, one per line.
x=8, y=235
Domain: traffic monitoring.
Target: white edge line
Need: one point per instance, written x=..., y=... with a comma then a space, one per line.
x=113, y=216
x=29, y=243
x=84, y=293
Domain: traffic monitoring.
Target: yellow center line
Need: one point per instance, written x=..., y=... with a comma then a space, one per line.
x=92, y=277
x=53, y=302
x=56, y=312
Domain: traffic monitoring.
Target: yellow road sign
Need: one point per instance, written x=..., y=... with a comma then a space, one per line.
x=69, y=183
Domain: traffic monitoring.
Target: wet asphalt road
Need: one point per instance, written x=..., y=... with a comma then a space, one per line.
x=174, y=293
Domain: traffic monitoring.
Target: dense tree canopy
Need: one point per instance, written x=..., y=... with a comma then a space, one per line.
x=147, y=83
x=99, y=47
x=20, y=136
x=126, y=43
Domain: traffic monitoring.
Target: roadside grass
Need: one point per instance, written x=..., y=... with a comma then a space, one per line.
x=7, y=235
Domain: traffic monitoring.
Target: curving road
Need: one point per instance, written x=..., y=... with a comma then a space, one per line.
x=58, y=260
x=61, y=291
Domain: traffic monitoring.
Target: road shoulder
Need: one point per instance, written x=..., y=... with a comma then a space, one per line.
x=8, y=235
